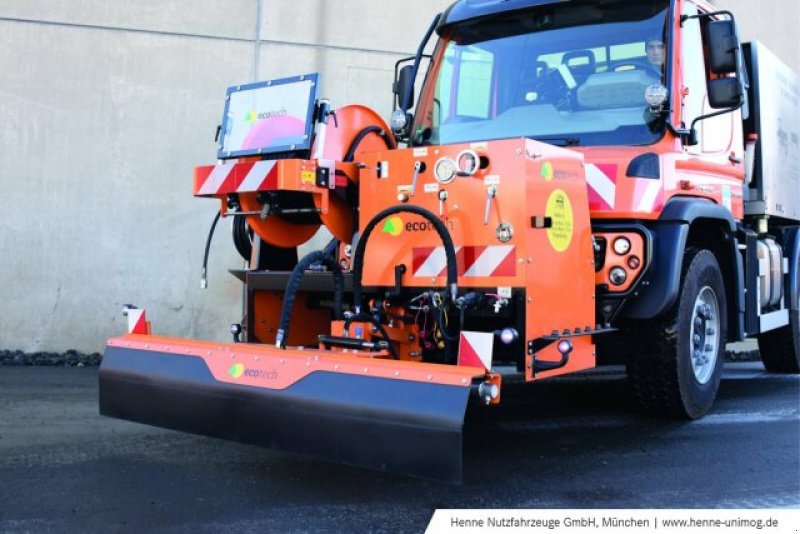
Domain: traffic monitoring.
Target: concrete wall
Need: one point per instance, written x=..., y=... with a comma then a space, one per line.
x=107, y=106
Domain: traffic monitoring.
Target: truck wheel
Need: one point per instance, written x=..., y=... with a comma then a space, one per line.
x=676, y=369
x=780, y=348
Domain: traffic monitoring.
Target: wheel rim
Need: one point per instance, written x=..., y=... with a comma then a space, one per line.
x=704, y=335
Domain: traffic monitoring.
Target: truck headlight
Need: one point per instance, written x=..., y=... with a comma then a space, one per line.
x=618, y=276
x=622, y=245
x=398, y=120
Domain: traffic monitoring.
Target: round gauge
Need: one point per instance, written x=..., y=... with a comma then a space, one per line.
x=468, y=162
x=445, y=170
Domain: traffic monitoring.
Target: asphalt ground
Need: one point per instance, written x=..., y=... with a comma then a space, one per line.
x=565, y=443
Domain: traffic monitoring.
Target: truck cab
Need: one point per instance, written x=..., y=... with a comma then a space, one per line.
x=658, y=97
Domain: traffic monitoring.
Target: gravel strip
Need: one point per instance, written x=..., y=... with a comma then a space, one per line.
x=71, y=358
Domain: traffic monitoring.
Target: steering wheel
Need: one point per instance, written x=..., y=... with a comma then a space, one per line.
x=636, y=64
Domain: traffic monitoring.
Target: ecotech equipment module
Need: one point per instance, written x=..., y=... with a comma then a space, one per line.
x=580, y=181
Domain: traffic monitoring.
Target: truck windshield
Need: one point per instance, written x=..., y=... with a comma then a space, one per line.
x=574, y=73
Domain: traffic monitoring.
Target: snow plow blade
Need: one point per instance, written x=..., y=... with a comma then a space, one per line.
x=388, y=415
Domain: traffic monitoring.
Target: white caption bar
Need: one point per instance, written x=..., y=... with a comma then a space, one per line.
x=628, y=521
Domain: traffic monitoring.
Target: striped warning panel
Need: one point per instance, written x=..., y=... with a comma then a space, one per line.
x=494, y=260
x=230, y=178
x=648, y=195
x=602, y=182
x=475, y=349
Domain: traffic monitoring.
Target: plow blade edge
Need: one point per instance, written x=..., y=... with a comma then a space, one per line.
x=412, y=427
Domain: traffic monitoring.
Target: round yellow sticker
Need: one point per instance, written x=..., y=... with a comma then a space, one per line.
x=559, y=210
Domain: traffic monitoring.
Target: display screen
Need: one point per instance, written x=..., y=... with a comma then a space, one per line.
x=269, y=117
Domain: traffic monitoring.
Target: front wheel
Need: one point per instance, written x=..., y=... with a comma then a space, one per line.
x=676, y=365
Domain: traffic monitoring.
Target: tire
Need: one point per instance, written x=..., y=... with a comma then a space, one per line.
x=780, y=348
x=676, y=368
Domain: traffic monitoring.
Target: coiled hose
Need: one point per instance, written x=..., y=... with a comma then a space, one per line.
x=441, y=230
x=294, y=284
x=351, y=151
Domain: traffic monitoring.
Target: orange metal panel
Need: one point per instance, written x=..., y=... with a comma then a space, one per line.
x=267, y=367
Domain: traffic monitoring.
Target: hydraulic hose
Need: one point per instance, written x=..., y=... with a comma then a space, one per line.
x=441, y=230
x=203, y=279
x=351, y=151
x=294, y=284
x=242, y=237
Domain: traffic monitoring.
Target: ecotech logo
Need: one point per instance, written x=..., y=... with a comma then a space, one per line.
x=238, y=370
x=393, y=226
x=254, y=115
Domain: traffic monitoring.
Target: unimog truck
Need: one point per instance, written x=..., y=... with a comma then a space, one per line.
x=561, y=184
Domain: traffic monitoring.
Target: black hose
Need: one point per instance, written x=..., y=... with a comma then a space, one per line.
x=441, y=230
x=203, y=279
x=330, y=248
x=242, y=237
x=294, y=284
x=351, y=152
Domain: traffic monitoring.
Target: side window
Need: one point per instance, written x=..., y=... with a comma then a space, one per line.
x=465, y=83
x=694, y=73
x=475, y=83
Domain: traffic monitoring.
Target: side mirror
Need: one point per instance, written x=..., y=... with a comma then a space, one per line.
x=403, y=87
x=724, y=93
x=723, y=46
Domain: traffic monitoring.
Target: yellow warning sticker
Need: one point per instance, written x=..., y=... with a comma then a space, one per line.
x=559, y=210
x=308, y=177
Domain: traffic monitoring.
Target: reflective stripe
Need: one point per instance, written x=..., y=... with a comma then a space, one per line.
x=602, y=185
x=215, y=179
x=257, y=176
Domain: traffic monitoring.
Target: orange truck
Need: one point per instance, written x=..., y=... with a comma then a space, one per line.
x=579, y=182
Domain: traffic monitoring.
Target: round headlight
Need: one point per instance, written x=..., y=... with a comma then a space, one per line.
x=634, y=262
x=656, y=95
x=618, y=276
x=565, y=346
x=445, y=170
x=508, y=336
x=622, y=246
x=398, y=120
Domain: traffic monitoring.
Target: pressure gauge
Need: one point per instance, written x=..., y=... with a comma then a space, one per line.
x=445, y=170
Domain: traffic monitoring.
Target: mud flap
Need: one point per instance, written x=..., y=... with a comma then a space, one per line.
x=405, y=426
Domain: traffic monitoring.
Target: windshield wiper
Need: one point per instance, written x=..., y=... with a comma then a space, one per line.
x=564, y=141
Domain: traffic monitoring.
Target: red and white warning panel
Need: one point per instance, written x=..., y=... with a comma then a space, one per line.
x=602, y=185
x=230, y=178
x=137, y=321
x=475, y=349
x=473, y=262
